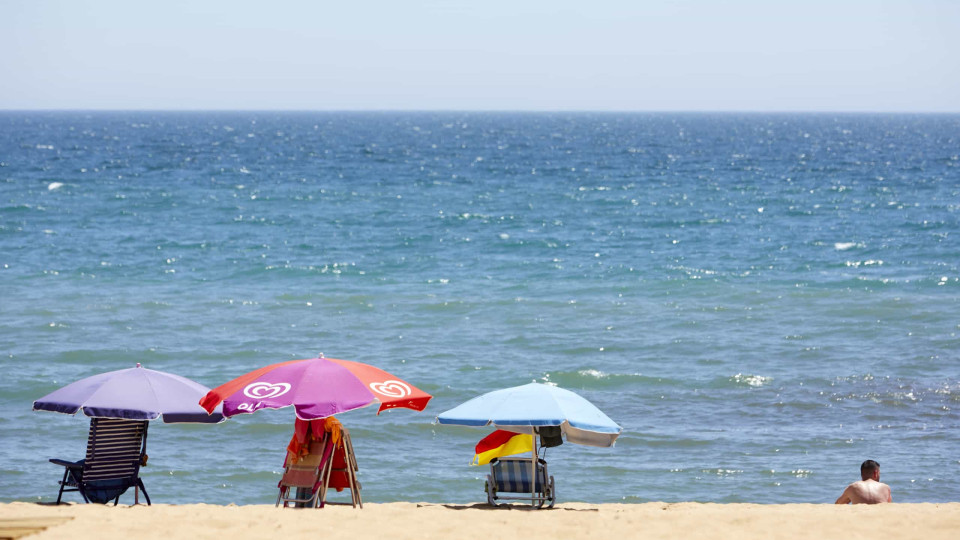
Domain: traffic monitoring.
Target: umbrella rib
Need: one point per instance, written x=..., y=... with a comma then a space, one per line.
x=153, y=391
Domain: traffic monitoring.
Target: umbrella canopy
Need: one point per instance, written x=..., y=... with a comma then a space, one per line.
x=521, y=408
x=316, y=388
x=133, y=394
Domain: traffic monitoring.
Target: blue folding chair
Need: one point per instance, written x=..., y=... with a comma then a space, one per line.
x=512, y=475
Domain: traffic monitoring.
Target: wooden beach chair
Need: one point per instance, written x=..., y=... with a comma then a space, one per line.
x=116, y=448
x=301, y=482
x=512, y=475
x=341, y=473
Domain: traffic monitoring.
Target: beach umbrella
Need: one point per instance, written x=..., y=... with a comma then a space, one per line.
x=521, y=408
x=135, y=394
x=132, y=394
x=537, y=409
x=316, y=388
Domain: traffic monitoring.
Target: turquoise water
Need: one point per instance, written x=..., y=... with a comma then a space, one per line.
x=761, y=301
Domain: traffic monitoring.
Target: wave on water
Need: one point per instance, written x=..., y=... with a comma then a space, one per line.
x=754, y=381
x=596, y=379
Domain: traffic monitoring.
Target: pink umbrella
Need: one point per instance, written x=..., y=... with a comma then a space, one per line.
x=316, y=388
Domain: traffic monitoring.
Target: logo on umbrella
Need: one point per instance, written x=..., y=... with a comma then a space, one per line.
x=393, y=389
x=265, y=390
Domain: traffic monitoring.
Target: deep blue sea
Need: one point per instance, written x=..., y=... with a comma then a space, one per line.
x=762, y=301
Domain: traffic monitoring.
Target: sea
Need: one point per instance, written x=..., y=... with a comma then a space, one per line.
x=761, y=301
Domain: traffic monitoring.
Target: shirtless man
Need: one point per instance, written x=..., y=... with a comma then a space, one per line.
x=869, y=490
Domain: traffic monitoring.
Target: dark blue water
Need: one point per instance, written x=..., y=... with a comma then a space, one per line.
x=761, y=301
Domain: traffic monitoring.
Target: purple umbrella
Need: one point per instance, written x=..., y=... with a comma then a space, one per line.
x=134, y=394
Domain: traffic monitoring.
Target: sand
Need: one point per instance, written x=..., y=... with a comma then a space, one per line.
x=399, y=521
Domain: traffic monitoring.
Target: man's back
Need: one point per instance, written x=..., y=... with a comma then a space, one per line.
x=866, y=492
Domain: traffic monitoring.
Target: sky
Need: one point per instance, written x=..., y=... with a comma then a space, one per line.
x=529, y=55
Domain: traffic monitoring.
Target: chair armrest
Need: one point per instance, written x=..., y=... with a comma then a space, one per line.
x=67, y=464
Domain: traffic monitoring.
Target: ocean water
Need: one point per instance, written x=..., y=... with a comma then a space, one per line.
x=762, y=301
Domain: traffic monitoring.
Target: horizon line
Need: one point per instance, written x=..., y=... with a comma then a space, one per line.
x=493, y=111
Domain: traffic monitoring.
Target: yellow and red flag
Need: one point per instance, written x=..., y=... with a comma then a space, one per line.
x=501, y=443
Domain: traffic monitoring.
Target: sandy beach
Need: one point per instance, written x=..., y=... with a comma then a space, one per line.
x=400, y=521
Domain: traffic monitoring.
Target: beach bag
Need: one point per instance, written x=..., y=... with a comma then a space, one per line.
x=550, y=436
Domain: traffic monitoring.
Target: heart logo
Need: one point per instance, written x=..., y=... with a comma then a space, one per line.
x=391, y=389
x=265, y=390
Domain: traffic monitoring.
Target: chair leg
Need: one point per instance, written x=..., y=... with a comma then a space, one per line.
x=144, y=490
x=491, y=491
x=553, y=493
x=63, y=484
x=324, y=480
x=83, y=492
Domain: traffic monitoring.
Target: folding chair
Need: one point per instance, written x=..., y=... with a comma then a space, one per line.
x=305, y=476
x=512, y=475
x=115, y=450
x=341, y=473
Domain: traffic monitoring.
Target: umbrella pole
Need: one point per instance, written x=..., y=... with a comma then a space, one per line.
x=533, y=469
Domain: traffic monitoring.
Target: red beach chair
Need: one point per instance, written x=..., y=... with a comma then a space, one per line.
x=301, y=482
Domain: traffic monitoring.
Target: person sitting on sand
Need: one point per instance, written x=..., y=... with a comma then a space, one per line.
x=869, y=490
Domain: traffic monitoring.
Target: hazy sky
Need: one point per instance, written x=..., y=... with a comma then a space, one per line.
x=637, y=55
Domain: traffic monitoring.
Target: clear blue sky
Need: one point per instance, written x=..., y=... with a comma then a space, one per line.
x=637, y=55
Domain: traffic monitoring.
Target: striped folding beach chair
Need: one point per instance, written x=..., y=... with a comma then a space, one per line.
x=327, y=466
x=512, y=475
x=115, y=450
